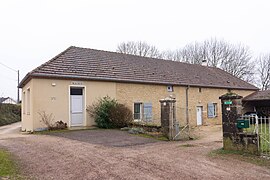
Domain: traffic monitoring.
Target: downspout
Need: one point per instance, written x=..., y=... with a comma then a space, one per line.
x=187, y=114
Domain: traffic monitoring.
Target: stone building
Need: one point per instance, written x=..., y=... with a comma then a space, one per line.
x=77, y=77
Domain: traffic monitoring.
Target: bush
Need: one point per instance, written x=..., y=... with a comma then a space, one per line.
x=108, y=113
x=9, y=113
x=120, y=115
x=48, y=121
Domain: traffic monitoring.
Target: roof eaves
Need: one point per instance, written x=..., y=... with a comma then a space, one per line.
x=28, y=76
x=134, y=81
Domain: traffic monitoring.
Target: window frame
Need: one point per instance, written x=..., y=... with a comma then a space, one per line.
x=140, y=113
x=213, y=108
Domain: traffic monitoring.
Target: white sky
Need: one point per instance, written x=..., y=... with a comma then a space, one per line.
x=34, y=31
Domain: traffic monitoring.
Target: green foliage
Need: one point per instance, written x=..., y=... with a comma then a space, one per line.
x=108, y=113
x=9, y=113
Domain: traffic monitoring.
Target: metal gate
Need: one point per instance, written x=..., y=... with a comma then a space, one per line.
x=261, y=127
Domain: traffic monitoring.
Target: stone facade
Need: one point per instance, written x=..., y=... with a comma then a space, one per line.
x=52, y=96
x=128, y=94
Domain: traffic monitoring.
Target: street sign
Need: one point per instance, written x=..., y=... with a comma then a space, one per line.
x=227, y=102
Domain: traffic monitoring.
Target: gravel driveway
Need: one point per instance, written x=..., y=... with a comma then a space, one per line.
x=112, y=154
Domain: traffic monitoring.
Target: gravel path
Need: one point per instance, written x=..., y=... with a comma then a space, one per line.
x=111, y=154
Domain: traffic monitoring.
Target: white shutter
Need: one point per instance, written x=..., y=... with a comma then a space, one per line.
x=147, y=110
x=211, y=110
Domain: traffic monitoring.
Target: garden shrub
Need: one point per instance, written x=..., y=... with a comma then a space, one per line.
x=108, y=113
x=120, y=115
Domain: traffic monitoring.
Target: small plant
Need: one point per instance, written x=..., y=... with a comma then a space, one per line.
x=48, y=121
x=59, y=125
x=108, y=113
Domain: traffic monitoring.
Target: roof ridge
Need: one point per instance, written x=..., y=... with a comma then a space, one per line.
x=152, y=58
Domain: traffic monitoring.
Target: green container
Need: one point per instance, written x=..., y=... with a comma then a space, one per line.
x=242, y=123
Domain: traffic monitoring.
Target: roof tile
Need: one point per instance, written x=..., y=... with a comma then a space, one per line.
x=93, y=64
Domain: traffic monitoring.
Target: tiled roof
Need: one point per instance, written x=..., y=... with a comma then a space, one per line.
x=259, y=95
x=90, y=64
x=2, y=99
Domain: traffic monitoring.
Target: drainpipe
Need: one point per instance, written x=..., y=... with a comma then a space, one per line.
x=187, y=115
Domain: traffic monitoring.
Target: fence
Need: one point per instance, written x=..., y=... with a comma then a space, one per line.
x=261, y=127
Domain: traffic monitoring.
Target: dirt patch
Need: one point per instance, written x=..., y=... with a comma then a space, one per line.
x=100, y=156
x=110, y=138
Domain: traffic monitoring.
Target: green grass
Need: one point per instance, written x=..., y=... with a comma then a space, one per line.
x=7, y=165
x=253, y=159
x=264, y=134
x=160, y=138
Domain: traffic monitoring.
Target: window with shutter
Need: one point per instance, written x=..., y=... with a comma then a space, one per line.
x=147, y=111
x=211, y=110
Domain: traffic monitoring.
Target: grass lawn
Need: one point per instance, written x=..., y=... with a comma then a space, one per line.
x=264, y=136
x=221, y=153
x=7, y=165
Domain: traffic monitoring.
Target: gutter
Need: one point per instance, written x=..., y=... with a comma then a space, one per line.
x=187, y=107
x=29, y=76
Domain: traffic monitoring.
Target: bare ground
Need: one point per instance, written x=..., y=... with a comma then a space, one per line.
x=112, y=154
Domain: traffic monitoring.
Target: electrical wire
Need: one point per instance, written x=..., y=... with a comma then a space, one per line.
x=8, y=67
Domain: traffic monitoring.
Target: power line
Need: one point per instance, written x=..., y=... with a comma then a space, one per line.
x=18, y=74
x=8, y=67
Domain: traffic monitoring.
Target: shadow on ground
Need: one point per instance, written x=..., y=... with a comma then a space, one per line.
x=109, y=138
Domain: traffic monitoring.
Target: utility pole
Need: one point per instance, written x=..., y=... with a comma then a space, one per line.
x=18, y=90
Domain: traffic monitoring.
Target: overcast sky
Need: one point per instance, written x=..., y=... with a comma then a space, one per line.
x=34, y=31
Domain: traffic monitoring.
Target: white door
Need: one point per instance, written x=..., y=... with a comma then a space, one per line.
x=199, y=115
x=76, y=106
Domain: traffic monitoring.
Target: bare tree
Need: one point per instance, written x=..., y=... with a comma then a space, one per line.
x=138, y=48
x=235, y=59
x=264, y=71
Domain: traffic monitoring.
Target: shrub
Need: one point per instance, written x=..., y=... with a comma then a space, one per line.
x=108, y=113
x=9, y=113
x=120, y=115
x=48, y=121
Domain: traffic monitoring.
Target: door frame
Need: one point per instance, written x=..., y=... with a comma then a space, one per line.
x=84, y=104
x=201, y=107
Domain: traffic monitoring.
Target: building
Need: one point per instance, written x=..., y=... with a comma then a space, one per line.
x=258, y=102
x=7, y=100
x=77, y=77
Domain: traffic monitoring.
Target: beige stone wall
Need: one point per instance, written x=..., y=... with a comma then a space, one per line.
x=27, y=115
x=56, y=99
x=128, y=93
x=52, y=96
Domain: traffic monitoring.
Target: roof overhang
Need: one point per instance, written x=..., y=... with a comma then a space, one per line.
x=28, y=77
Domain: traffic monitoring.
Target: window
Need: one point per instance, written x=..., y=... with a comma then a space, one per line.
x=143, y=111
x=23, y=102
x=76, y=91
x=212, y=110
x=28, y=101
x=200, y=90
x=137, y=111
x=170, y=88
